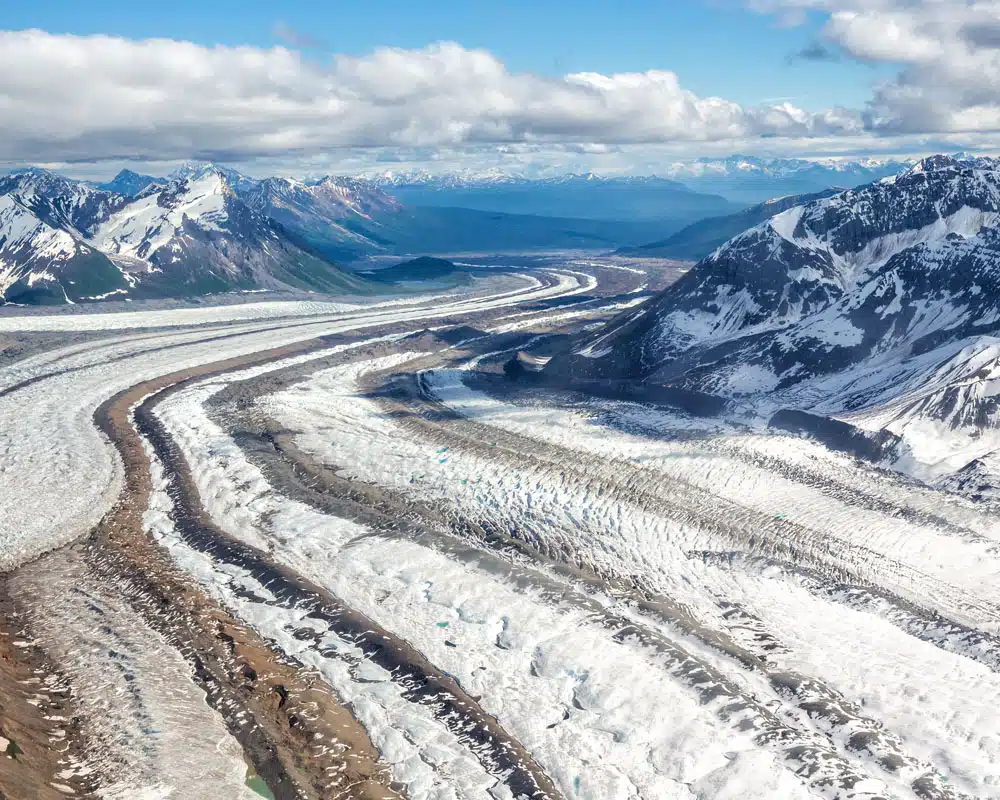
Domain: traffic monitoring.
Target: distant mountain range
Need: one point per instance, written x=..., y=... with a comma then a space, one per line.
x=691, y=189
x=586, y=196
x=751, y=179
x=879, y=306
x=208, y=228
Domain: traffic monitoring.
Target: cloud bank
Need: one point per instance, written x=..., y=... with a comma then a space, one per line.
x=68, y=97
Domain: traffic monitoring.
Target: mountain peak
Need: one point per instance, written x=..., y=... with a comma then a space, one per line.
x=129, y=183
x=39, y=179
x=939, y=162
x=195, y=170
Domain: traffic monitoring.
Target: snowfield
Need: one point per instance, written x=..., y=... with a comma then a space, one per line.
x=550, y=675
x=60, y=478
x=129, y=320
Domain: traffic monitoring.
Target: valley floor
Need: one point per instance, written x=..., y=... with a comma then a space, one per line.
x=335, y=553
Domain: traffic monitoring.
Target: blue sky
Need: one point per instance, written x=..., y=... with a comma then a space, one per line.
x=716, y=48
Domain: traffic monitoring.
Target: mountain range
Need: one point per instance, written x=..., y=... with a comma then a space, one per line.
x=207, y=229
x=699, y=188
x=747, y=179
x=64, y=241
x=586, y=196
x=878, y=306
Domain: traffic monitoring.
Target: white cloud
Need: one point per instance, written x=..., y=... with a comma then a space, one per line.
x=948, y=52
x=110, y=100
x=64, y=98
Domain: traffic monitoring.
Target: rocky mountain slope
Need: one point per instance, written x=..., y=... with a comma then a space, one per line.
x=39, y=263
x=129, y=183
x=880, y=306
x=64, y=241
x=337, y=216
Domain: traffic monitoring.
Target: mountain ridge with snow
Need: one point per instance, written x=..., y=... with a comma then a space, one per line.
x=208, y=228
x=65, y=241
x=879, y=306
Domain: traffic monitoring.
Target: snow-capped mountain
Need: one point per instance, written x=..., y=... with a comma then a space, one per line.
x=338, y=216
x=741, y=179
x=468, y=179
x=820, y=258
x=880, y=306
x=193, y=170
x=41, y=263
x=62, y=240
x=752, y=179
x=493, y=176
x=200, y=220
x=59, y=201
x=738, y=164
x=209, y=228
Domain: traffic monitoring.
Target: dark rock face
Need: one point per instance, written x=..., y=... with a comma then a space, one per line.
x=130, y=184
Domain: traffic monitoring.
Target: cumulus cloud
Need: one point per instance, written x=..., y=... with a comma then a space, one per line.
x=948, y=53
x=66, y=97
